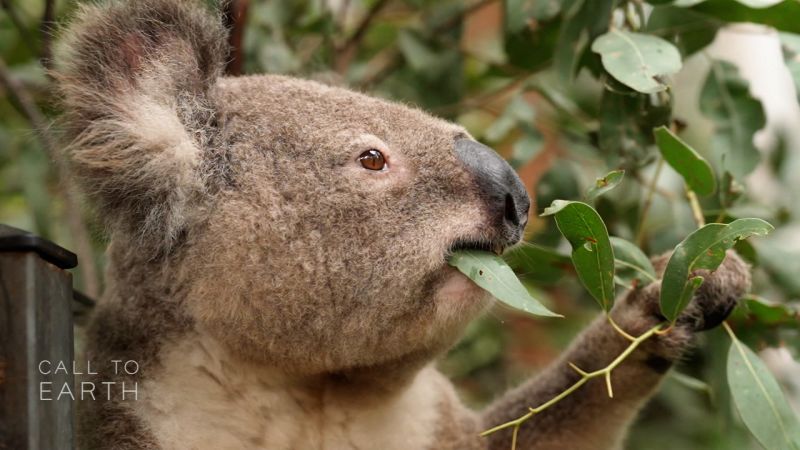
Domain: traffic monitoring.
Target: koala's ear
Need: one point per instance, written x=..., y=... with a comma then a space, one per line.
x=135, y=77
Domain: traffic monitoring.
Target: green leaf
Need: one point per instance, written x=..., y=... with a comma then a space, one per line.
x=584, y=20
x=782, y=16
x=626, y=126
x=532, y=49
x=592, y=254
x=767, y=312
x=491, y=273
x=730, y=191
x=526, y=147
x=633, y=267
x=605, y=184
x=538, y=264
x=760, y=401
x=419, y=55
x=694, y=169
x=689, y=30
x=703, y=249
x=726, y=100
x=782, y=263
x=518, y=13
x=517, y=112
x=637, y=60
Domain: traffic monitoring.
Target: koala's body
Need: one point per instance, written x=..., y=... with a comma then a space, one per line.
x=277, y=264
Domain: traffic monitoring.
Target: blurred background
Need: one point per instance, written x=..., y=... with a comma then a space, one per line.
x=520, y=76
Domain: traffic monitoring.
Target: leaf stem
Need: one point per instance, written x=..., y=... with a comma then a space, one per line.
x=636, y=268
x=585, y=377
x=648, y=201
x=697, y=211
x=619, y=329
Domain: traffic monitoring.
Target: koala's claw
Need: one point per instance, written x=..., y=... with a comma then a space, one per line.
x=714, y=300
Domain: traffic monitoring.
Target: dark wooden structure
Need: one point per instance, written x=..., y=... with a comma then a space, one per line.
x=35, y=337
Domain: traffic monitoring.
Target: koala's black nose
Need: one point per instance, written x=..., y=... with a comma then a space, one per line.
x=498, y=183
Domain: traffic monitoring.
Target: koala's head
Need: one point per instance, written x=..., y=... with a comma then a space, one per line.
x=308, y=225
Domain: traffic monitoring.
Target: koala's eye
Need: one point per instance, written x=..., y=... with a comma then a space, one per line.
x=372, y=159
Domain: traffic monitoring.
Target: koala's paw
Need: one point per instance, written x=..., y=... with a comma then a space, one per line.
x=717, y=296
x=712, y=303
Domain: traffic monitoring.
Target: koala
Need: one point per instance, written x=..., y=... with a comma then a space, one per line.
x=277, y=258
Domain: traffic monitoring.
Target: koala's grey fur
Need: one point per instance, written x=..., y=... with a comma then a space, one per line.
x=276, y=294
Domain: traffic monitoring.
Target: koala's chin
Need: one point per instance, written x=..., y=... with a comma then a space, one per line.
x=458, y=298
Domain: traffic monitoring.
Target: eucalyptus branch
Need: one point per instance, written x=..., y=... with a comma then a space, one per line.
x=348, y=49
x=391, y=58
x=19, y=24
x=46, y=30
x=24, y=102
x=234, y=15
x=585, y=377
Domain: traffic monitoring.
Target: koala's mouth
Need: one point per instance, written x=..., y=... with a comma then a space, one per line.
x=479, y=245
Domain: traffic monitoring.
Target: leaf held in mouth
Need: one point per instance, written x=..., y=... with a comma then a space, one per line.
x=491, y=273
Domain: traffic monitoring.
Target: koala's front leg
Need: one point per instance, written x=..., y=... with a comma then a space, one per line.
x=588, y=418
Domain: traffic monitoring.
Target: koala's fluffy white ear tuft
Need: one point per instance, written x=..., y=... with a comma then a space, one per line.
x=135, y=78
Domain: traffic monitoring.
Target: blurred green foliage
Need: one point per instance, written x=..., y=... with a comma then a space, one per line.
x=520, y=75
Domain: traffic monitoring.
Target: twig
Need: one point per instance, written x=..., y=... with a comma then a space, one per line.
x=669, y=196
x=484, y=97
x=697, y=211
x=348, y=50
x=46, y=28
x=390, y=58
x=381, y=65
x=341, y=14
x=235, y=16
x=585, y=377
x=455, y=19
x=16, y=20
x=83, y=247
x=648, y=201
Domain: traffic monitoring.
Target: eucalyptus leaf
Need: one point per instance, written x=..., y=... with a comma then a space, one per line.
x=517, y=112
x=726, y=100
x=537, y=263
x=689, y=30
x=760, y=401
x=626, y=126
x=605, y=184
x=633, y=267
x=730, y=190
x=592, y=254
x=519, y=12
x=526, y=147
x=782, y=264
x=584, y=20
x=694, y=169
x=781, y=16
x=639, y=61
x=491, y=273
x=420, y=56
x=772, y=313
x=703, y=249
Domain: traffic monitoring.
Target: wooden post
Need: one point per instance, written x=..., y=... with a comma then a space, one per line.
x=35, y=336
